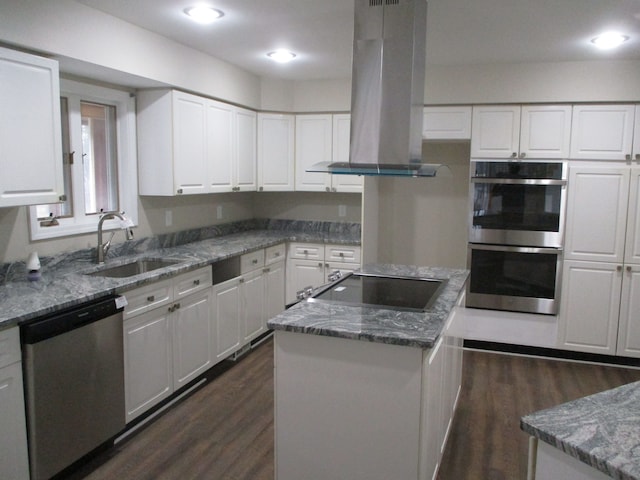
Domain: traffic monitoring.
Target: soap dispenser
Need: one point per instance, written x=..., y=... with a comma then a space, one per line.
x=33, y=267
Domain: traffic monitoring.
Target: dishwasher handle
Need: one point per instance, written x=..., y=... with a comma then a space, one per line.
x=76, y=317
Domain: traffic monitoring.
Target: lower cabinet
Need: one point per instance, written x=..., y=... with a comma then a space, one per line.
x=14, y=461
x=166, y=344
x=598, y=305
x=242, y=305
x=309, y=264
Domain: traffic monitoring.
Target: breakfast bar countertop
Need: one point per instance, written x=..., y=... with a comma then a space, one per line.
x=600, y=430
x=377, y=324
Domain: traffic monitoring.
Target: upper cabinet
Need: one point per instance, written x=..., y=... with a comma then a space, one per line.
x=30, y=130
x=276, y=154
x=323, y=138
x=605, y=132
x=512, y=131
x=446, y=123
x=189, y=144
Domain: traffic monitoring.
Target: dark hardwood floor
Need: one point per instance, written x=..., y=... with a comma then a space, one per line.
x=225, y=429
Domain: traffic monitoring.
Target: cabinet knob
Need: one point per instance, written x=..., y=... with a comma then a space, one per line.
x=619, y=268
x=241, y=280
x=261, y=189
x=254, y=261
x=327, y=189
x=629, y=268
x=627, y=156
x=334, y=189
x=523, y=154
x=320, y=264
x=638, y=156
x=179, y=190
x=341, y=254
x=151, y=298
x=266, y=270
x=514, y=155
x=196, y=282
x=306, y=252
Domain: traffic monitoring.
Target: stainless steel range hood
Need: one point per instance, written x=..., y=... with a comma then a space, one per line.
x=387, y=93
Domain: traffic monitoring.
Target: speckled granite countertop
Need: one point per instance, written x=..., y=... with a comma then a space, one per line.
x=601, y=430
x=414, y=329
x=64, y=284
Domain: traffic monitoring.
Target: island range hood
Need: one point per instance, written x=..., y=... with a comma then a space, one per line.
x=387, y=93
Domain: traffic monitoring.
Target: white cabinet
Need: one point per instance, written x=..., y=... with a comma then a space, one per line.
x=14, y=461
x=30, y=130
x=167, y=338
x=188, y=144
x=603, y=132
x=635, y=155
x=446, y=123
x=323, y=138
x=242, y=305
x=530, y=131
x=276, y=152
x=308, y=264
x=601, y=273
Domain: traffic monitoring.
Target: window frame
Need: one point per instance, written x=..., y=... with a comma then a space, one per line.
x=80, y=223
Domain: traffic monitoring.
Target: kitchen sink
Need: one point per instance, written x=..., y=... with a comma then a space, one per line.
x=137, y=267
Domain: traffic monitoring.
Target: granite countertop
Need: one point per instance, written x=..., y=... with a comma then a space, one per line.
x=601, y=430
x=414, y=329
x=64, y=283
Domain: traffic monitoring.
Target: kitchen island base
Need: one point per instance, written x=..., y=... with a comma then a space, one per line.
x=354, y=410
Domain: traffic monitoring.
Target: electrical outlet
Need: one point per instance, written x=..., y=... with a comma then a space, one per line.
x=342, y=210
x=219, y=212
x=168, y=218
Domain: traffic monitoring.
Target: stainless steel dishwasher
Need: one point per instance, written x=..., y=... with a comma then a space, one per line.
x=74, y=384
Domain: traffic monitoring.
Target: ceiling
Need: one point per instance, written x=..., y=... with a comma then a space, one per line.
x=320, y=31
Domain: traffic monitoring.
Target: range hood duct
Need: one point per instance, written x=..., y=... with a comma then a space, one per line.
x=387, y=94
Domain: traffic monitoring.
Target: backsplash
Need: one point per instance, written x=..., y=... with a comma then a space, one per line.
x=304, y=231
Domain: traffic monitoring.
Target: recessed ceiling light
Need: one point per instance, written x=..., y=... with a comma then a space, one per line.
x=609, y=40
x=203, y=13
x=281, y=56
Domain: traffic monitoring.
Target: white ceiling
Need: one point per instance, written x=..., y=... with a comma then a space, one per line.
x=320, y=31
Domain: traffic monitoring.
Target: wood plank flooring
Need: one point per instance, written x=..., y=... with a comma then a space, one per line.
x=225, y=430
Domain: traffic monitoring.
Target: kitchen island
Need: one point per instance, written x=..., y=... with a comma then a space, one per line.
x=594, y=437
x=367, y=392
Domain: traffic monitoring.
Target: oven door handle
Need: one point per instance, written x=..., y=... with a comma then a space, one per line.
x=519, y=181
x=516, y=249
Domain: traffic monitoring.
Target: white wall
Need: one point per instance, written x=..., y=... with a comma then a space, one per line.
x=319, y=206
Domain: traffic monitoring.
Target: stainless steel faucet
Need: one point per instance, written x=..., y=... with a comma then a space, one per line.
x=103, y=248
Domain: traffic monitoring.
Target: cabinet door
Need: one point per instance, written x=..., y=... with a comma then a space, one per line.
x=446, y=123
x=636, y=135
x=629, y=328
x=220, y=138
x=303, y=273
x=245, y=150
x=495, y=131
x=545, y=131
x=596, y=213
x=313, y=145
x=14, y=463
x=340, y=153
x=588, y=320
x=602, y=132
x=190, y=147
x=226, y=318
x=192, y=333
x=276, y=154
x=274, y=290
x=252, y=300
x=148, y=360
x=632, y=246
x=432, y=411
x=30, y=133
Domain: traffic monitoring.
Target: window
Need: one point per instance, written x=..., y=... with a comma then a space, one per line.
x=99, y=162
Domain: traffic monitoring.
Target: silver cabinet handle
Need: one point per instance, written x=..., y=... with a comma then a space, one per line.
x=196, y=282
x=241, y=280
x=341, y=254
x=179, y=190
x=254, y=261
x=151, y=298
x=306, y=252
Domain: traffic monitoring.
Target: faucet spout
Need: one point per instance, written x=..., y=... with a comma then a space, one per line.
x=103, y=248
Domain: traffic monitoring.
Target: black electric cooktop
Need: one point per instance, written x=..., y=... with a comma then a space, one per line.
x=394, y=292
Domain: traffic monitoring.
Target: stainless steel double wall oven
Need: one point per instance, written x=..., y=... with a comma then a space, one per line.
x=516, y=234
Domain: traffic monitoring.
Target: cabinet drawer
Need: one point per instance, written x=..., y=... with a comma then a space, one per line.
x=192, y=282
x=9, y=346
x=274, y=254
x=342, y=253
x=306, y=251
x=145, y=298
x=251, y=261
